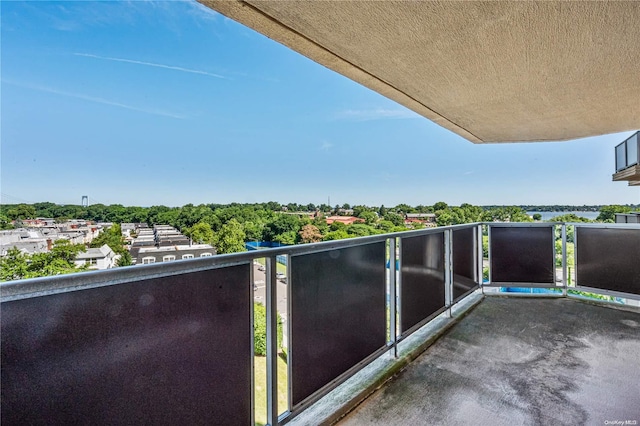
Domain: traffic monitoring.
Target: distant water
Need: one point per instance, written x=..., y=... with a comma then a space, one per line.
x=551, y=215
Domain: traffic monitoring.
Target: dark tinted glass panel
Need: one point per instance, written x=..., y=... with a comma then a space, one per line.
x=422, y=278
x=632, y=150
x=464, y=255
x=171, y=350
x=621, y=157
x=338, y=314
x=608, y=259
x=522, y=255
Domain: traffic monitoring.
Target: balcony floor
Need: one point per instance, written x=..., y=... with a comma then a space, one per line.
x=519, y=361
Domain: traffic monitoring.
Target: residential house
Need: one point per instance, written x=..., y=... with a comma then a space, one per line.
x=98, y=258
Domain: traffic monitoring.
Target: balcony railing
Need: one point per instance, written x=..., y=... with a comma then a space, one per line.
x=627, y=152
x=173, y=343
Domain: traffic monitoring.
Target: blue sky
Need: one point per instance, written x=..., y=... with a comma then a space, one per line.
x=146, y=103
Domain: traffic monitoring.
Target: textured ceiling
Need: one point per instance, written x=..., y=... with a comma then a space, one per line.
x=488, y=71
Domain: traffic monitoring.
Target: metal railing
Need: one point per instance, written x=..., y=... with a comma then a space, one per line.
x=173, y=342
x=628, y=152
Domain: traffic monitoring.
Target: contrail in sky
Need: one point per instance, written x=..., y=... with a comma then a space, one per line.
x=96, y=100
x=151, y=64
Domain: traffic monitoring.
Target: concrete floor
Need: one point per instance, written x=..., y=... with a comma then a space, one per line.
x=520, y=361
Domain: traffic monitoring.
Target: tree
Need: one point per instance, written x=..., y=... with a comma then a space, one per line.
x=112, y=237
x=506, y=214
x=386, y=226
x=288, y=238
x=369, y=217
x=282, y=224
x=569, y=217
x=537, y=216
x=5, y=223
x=260, y=329
x=337, y=235
x=65, y=251
x=200, y=233
x=253, y=230
x=360, y=230
x=21, y=211
x=230, y=238
x=310, y=234
x=60, y=260
x=338, y=226
x=608, y=213
x=13, y=266
x=125, y=259
x=440, y=205
x=394, y=218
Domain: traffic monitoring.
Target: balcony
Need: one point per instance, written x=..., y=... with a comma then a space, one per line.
x=628, y=160
x=173, y=343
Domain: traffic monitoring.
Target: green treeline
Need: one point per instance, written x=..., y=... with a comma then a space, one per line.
x=229, y=226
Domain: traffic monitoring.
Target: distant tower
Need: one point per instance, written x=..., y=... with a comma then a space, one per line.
x=85, y=201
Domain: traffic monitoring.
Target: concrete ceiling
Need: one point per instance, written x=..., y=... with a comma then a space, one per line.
x=488, y=71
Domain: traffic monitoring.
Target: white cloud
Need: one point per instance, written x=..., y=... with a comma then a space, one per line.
x=326, y=146
x=375, y=114
x=151, y=64
x=97, y=100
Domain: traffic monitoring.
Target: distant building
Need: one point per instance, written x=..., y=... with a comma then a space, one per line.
x=148, y=255
x=347, y=220
x=419, y=217
x=28, y=241
x=633, y=217
x=164, y=243
x=345, y=212
x=97, y=258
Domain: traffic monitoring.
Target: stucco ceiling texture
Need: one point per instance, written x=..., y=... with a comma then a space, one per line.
x=488, y=71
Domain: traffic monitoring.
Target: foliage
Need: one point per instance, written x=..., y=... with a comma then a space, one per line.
x=112, y=237
x=21, y=211
x=13, y=266
x=570, y=253
x=395, y=218
x=60, y=260
x=569, y=217
x=369, y=217
x=440, y=205
x=506, y=214
x=5, y=223
x=310, y=234
x=338, y=226
x=385, y=226
x=608, y=213
x=283, y=224
x=200, y=233
x=361, y=230
x=537, y=216
x=125, y=259
x=337, y=235
x=230, y=238
x=288, y=238
x=260, y=329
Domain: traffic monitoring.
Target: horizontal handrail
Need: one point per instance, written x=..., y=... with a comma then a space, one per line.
x=32, y=287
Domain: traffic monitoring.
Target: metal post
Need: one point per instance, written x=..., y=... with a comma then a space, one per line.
x=392, y=296
x=479, y=257
x=564, y=259
x=398, y=302
x=448, y=269
x=272, y=340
